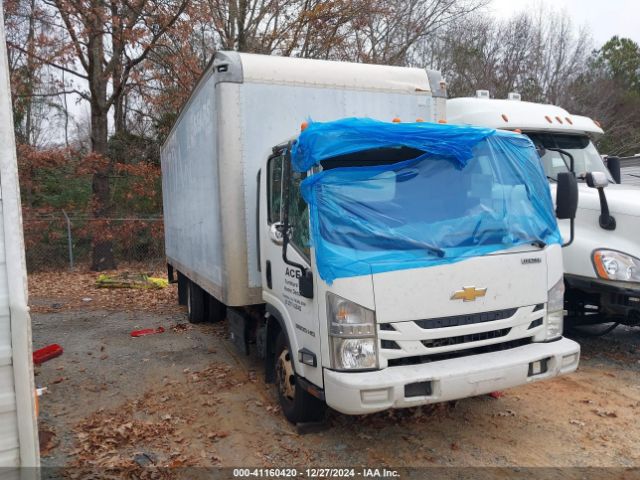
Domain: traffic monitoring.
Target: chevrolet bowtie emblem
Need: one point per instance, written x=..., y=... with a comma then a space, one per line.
x=469, y=294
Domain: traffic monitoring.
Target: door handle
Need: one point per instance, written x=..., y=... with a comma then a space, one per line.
x=268, y=275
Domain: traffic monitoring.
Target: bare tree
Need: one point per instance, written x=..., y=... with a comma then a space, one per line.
x=102, y=44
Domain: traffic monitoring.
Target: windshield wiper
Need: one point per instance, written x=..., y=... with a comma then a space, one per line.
x=553, y=179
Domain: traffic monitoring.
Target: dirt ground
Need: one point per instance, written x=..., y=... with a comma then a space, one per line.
x=185, y=397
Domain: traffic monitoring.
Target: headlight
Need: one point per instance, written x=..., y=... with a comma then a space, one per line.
x=612, y=265
x=555, y=297
x=555, y=324
x=354, y=353
x=555, y=310
x=352, y=333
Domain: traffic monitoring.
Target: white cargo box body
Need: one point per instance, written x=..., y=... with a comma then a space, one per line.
x=243, y=106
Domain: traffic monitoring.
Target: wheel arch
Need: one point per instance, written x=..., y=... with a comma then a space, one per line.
x=275, y=324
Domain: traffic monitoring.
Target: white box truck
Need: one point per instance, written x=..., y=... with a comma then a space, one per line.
x=245, y=244
x=18, y=426
x=602, y=265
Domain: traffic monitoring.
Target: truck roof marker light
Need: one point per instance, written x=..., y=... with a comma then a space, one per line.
x=559, y=120
x=442, y=121
x=597, y=123
x=548, y=118
x=517, y=130
x=505, y=118
x=303, y=126
x=396, y=120
x=569, y=121
x=419, y=120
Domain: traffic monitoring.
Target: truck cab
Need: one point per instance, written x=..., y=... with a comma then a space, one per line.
x=387, y=286
x=602, y=264
x=370, y=263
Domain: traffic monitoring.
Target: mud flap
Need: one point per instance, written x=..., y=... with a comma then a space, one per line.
x=239, y=328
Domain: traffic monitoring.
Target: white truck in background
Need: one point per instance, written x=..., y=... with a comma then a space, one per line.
x=18, y=423
x=602, y=265
x=369, y=342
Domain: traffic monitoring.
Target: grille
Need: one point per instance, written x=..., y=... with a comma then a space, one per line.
x=496, y=347
x=470, y=319
x=389, y=344
x=474, y=337
x=535, y=323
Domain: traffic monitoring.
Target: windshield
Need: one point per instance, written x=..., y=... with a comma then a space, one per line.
x=428, y=210
x=585, y=155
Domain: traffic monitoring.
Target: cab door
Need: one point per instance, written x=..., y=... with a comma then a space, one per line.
x=280, y=280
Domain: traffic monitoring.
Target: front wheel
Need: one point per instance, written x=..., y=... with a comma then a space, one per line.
x=298, y=405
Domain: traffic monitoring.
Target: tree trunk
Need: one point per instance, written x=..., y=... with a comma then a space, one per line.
x=102, y=255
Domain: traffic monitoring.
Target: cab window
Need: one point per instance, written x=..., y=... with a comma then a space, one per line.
x=299, y=216
x=274, y=189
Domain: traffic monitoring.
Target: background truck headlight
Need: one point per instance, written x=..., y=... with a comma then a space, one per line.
x=555, y=310
x=352, y=333
x=612, y=265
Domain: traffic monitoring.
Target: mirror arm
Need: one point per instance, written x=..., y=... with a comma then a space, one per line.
x=564, y=152
x=571, y=233
x=606, y=220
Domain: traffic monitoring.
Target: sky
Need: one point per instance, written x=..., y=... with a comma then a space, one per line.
x=604, y=19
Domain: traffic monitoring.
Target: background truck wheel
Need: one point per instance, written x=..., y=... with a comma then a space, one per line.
x=216, y=310
x=297, y=404
x=183, y=285
x=195, y=303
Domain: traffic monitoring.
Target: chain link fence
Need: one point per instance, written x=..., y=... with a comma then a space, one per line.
x=60, y=241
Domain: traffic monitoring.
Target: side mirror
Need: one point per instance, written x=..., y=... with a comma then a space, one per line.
x=566, y=196
x=613, y=164
x=597, y=179
x=305, y=284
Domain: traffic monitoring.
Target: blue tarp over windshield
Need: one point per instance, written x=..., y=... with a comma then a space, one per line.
x=468, y=192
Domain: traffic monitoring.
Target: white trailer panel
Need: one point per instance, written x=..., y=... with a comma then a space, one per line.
x=18, y=433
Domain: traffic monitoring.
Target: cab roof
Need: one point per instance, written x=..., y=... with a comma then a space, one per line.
x=513, y=114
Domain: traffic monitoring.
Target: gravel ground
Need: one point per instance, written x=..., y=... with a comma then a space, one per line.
x=186, y=398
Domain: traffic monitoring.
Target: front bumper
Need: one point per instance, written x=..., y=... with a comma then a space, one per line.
x=616, y=299
x=366, y=392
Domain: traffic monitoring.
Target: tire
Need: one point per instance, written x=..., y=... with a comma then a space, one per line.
x=195, y=303
x=183, y=285
x=298, y=405
x=216, y=310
